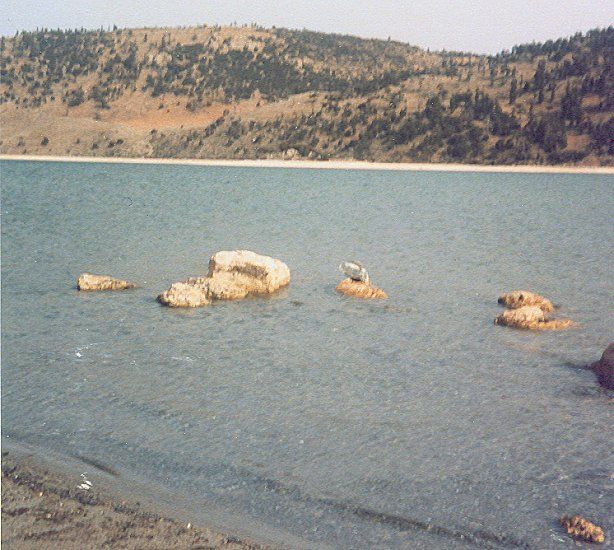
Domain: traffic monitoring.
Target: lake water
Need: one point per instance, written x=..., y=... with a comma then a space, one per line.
x=413, y=422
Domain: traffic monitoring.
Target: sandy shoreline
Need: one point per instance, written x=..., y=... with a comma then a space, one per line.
x=43, y=507
x=330, y=165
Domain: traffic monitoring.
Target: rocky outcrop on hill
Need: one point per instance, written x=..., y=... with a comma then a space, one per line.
x=232, y=275
x=521, y=298
x=359, y=289
x=604, y=368
x=87, y=281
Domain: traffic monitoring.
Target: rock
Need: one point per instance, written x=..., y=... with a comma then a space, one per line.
x=359, y=289
x=163, y=59
x=232, y=275
x=87, y=281
x=291, y=154
x=521, y=317
x=355, y=271
x=530, y=317
x=604, y=368
x=184, y=295
x=527, y=311
x=579, y=528
x=521, y=298
x=263, y=273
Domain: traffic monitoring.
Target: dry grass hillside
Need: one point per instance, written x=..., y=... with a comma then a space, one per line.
x=250, y=92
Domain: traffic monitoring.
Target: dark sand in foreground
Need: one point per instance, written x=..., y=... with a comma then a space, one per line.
x=42, y=508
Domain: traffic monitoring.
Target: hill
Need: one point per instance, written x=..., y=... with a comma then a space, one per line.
x=250, y=92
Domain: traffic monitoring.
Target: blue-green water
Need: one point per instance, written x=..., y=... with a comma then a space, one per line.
x=336, y=421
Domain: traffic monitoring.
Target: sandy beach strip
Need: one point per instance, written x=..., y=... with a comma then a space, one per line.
x=327, y=165
x=43, y=507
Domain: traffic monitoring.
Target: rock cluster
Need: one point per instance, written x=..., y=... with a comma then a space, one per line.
x=359, y=289
x=87, y=281
x=528, y=310
x=579, y=528
x=604, y=368
x=232, y=275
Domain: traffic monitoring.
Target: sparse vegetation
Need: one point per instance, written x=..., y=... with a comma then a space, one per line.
x=254, y=93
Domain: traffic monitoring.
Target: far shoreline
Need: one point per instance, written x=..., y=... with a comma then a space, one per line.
x=324, y=165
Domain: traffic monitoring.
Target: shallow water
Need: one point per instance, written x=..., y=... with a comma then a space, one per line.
x=411, y=422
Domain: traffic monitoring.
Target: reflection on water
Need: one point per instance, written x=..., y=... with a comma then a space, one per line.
x=412, y=421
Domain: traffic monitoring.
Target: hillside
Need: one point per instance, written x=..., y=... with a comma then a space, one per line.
x=250, y=92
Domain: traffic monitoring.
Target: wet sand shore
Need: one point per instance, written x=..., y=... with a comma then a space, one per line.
x=330, y=165
x=44, y=508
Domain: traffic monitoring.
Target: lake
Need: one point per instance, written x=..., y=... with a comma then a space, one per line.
x=322, y=420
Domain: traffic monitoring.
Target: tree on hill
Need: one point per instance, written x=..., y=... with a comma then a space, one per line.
x=571, y=105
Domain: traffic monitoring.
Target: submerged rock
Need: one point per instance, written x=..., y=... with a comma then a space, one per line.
x=232, y=275
x=521, y=298
x=604, y=368
x=579, y=528
x=87, y=281
x=359, y=289
x=530, y=317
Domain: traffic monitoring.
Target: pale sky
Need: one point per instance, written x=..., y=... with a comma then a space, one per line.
x=481, y=26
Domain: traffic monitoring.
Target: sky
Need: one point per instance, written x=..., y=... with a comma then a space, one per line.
x=480, y=26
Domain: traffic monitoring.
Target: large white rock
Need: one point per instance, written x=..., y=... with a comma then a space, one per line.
x=263, y=273
x=233, y=274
